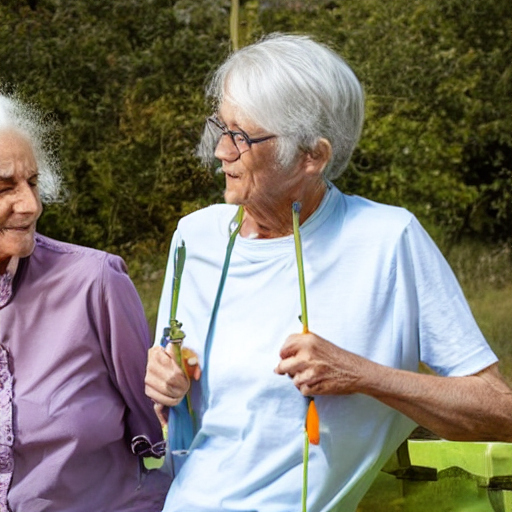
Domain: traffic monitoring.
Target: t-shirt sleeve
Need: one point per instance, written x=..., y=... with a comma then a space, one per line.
x=451, y=342
x=125, y=340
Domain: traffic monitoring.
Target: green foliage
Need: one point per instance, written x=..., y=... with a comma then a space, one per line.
x=125, y=80
x=437, y=138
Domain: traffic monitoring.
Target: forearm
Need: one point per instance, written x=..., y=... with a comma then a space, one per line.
x=473, y=408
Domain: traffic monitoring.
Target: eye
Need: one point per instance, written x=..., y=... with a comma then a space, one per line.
x=33, y=180
x=5, y=190
x=239, y=138
x=6, y=186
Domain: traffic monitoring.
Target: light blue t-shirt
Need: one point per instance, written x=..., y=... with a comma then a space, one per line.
x=376, y=285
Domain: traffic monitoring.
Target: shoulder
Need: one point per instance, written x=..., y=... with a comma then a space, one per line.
x=379, y=213
x=93, y=262
x=210, y=221
x=376, y=220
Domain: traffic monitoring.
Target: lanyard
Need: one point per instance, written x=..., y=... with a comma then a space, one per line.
x=311, y=425
x=234, y=229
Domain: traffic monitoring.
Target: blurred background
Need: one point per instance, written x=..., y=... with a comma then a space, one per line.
x=124, y=81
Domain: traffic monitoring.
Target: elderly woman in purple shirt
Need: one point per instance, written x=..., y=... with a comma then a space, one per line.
x=74, y=419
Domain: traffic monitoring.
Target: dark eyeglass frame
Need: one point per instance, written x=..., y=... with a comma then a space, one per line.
x=214, y=120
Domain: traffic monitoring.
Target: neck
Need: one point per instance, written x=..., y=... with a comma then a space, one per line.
x=272, y=218
x=3, y=265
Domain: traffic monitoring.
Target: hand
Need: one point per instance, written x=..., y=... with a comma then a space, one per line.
x=318, y=367
x=165, y=381
x=162, y=413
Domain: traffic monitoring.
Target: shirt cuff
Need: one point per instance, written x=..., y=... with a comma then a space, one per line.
x=142, y=447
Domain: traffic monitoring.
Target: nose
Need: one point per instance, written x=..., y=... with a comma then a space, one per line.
x=226, y=149
x=27, y=200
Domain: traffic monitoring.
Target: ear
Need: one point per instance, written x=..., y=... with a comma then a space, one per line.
x=318, y=158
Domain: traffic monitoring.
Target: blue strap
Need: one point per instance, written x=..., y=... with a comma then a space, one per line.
x=183, y=428
x=234, y=228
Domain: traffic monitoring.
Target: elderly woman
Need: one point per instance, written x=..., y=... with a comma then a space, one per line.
x=380, y=298
x=73, y=344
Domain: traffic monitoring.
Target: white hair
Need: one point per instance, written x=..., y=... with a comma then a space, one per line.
x=297, y=89
x=29, y=122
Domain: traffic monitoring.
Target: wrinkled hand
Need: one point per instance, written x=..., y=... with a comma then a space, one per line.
x=319, y=367
x=165, y=381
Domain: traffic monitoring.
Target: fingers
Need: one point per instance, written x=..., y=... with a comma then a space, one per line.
x=304, y=377
x=169, y=399
x=165, y=382
x=307, y=390
x=290, y=366
x=318, y=367
x=295, y=354
x=291, y=345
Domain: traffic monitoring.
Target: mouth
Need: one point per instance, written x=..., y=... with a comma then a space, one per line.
x=232, y=175
x=21, y=229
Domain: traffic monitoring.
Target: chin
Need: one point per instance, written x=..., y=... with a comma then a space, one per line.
x=27, y=250
x=231, y=197
x=24, y=248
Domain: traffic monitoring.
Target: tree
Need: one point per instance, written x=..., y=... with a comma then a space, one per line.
x=125, y=79
x=438, y=132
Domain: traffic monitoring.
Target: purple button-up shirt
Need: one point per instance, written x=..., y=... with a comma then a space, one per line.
x=77, y=339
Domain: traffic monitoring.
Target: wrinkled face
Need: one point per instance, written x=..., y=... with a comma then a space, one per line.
x=20, y=205
x=253, y=178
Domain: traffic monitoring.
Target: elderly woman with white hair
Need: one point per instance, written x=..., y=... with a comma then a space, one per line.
x=74, y=418
x=380, y=299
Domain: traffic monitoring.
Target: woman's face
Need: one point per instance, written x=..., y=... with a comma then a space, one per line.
x=253, y=178
x=20, y=205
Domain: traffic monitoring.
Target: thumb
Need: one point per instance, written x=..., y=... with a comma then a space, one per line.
x=162, y=413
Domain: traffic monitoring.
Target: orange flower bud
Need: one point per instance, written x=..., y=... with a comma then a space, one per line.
x=313, y=424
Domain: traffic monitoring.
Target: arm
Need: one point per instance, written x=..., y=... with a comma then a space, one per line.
x=473, y=408
x=124, y=336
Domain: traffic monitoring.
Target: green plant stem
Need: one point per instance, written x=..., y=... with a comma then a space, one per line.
x=176, y=334
x=296, y=207
x=179, y=263
x=298, y=252
x=176, y=348
x=305, y=472
x=234, y=22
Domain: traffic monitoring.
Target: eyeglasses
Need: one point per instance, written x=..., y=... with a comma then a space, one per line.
x=240, y=139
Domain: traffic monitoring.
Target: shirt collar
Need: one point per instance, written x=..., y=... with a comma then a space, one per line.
x=6, y=280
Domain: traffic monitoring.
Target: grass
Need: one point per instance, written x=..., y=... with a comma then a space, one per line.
x=485, y=274
x=454, y=494
x=149, y=289
x=493, y=312
x=146, y=266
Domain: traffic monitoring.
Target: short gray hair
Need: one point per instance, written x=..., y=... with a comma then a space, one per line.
x=28, y=121
x=297, y=89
